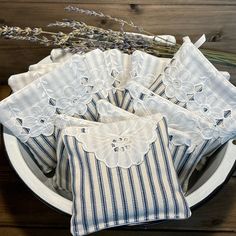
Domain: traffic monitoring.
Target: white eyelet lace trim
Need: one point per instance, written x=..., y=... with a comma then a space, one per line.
x=30, y=111
x=74, y=100
x=119, y=144
x=177, y=117
x=118, y=65
x=146, y=68
x=204, y=91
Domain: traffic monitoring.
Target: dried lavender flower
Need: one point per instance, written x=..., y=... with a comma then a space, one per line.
x=102, y=15
x=83, y=38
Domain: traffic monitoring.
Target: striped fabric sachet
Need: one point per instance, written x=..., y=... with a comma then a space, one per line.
x=201, y=135
x=62, y=178
x=29, y=113
x=192, y=82
x=120, y=173
x=107, y=113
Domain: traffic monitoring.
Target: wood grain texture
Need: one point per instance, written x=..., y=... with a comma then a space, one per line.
x=4, y=91
x=141, y=2
x=22, y=213
x=214, y=18
x=65, y=232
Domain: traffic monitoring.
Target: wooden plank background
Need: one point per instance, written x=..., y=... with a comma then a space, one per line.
x=21, y=213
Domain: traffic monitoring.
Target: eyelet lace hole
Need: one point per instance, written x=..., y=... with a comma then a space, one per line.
x=42, y=121
x=227, y=113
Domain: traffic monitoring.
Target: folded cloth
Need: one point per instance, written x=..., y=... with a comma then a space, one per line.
x=29, y=113
x=122, y=173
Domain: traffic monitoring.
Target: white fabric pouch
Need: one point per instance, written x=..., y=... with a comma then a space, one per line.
x=29, y=113
x=186, y=152
x=191, y=81
x=107, y=113
x=122, y=173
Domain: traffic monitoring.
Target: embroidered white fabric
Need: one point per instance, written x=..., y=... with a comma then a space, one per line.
x=177, y=117
x=119, y=144
x=119, y=64
x=109, y=113
x=192, y=79
x=146, y=68
x=30, y=111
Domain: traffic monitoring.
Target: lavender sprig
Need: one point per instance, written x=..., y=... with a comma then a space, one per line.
x=83, y=38
x=102, y=15
x=117, y=20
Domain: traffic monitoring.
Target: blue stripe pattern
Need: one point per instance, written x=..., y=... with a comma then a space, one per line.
x=106, y=197
x=184, y=162
x=44, y=148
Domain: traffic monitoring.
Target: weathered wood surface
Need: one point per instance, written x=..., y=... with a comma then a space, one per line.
x=21, y=213
x=142, y=2
x=217, y=19
x=64, y=232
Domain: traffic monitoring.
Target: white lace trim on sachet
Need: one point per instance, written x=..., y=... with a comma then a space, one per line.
x=119, y=144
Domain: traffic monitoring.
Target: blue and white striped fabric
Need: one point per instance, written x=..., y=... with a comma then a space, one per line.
x=144, y=102
x=68, y=89
x=62, y=177
x=192, y=82
x=107, y=113
x=106, y=197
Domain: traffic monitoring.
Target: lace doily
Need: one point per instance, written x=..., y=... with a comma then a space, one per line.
x=119, y=144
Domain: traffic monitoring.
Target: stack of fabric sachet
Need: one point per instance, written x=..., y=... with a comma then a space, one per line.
x=121, y=134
